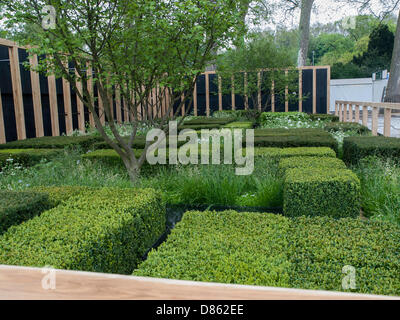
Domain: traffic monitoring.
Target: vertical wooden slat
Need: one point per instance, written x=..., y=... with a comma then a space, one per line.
x=118, y=104
x=375, y=121
x=300, y=90
x=328, y=95
x=246, y=96
x=357, y=111
x=89, y=73
x=336, y=109
x=207, y=95
x=388, y=118
x=273, y=96
x=340, y=112
x=79, y=105
x=36, y=97
x=219, y=93
x=55, y=125
x=259, y=91
x=2, y=129
x=233, y=96
x=314, y=90
x=365, y=116
x=126, y=110
x=102, y=116
x=183, y=106
x=346, y=112
x=286, y=93
x=195, y=99
x=350, y=112
x=67, y=103
x=17, y=92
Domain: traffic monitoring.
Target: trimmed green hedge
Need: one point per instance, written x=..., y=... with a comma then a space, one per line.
x=61, y=142
x=294, y=152
x=208, y=120
x=16, y=207
x=324, y=117
x=321, y=192
x=347, y=126
x=271, y=250
x=240, y=125
x=356, y=148
x=106, y=230
x=327, y=163
x=291, y=132
x=59, y=195
x=26, y=157
x=238, y=115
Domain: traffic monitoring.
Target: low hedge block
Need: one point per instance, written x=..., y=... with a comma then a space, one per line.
x=238, y=115
x=106, y=230
x=291, y=132
x=208, y=120
x=347, y=126
x=271, y=250
x=108, y=156
x=240, y=125
x=357, y=148
x=61, y=142
x=324, y=117
x=26, y=157
x=320, y=192
x=59, y=195
x=327, y=163
x=294, y=152
x=16, y=207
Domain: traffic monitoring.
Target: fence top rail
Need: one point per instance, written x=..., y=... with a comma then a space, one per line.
x=385, y=105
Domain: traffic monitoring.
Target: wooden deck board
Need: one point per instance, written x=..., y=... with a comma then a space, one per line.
x=26, y=283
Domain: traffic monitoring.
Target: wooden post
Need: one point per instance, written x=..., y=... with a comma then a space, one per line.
x=375, y=121
x=357, y=110
x=67, y=102
x=273, y=96
x=118, y=104
x=2, y=129
x=89, y=73
x=365, y=116
x=207, y=95
x=195, y=99
x=314, y=90
x=233, y=94
x=183, y=106
x=102, y=116
x=17, y=92
x=246, y=96
x=350, y=112
x=79, y=104
x=300, y=90
x=55, y=125
x=388, y=118
x=336, y=109
x=219, y=93
x=340, y=112
x=328, y=98
x=36, y=97
x=286, y=93
x=346, y=112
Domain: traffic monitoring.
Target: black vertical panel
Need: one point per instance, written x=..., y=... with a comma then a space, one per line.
x=214, y=99
x=60, y=106
x=44, y=90
x=322, y=90
x=226, y=93
x=74, y=102
x=294, y=88
x=201, y=95
x=122, y=109
x=308, y=91
x=10, y=126
x=27, y=95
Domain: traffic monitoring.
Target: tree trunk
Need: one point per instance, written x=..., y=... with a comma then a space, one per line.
x=304, y=31
x=393, y=89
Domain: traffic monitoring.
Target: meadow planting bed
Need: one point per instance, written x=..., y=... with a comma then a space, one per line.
x=68, y=202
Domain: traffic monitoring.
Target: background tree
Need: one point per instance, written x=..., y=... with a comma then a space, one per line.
x=393, y=89
x=134, y=46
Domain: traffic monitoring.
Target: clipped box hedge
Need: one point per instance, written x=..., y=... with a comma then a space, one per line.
x=26, y=157
x=356, y=148
x=19, y=206
x=320, y=192
x=271, y=250
x=347, y=126
x=105, y=230
x=326, y=163
x=208, y=120
x=240, y=125
x=324, y=117
x=59, y=195
x=85, y=142
x=294, y=152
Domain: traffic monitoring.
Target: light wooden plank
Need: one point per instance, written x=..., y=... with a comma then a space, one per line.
x=219, y=93
x=17, y=92
x=2, y=128
x=79, y=105
x=365, y=116
x=357, y=115
x=340, y=112
x=67, y=103
x=36, y=97
x=286, y=93
x=118, y=104
x=207, y=94
x=273, y=96
x=233, y=96
x=55, y=126
x=89, y=72
x=336, y=109
x=375, y=112
x=388, y=120
x=393, y=106
x=183, y=106
x=259, y=91
x=102, y=115
x=350, y=112
x=195, y=99
x=314, y=90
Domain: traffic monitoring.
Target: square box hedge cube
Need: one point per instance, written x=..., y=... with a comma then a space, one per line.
x=321, y=192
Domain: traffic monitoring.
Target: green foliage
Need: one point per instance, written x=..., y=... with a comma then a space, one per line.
x=62, y=194
x=321, y=192
x=324, y=117
x=326, y=163
x=271, y=250
x=347, y=126
x=106, y=230
x=380, y=188
x=279, y=153
x=238, y=115
x=356, y=148
x=240, y=125
x=25, y=157
x=107, y=156
x=292, y=120
x=208, y=120
x=85, y=142
x=16, y=207
x=227, y=247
